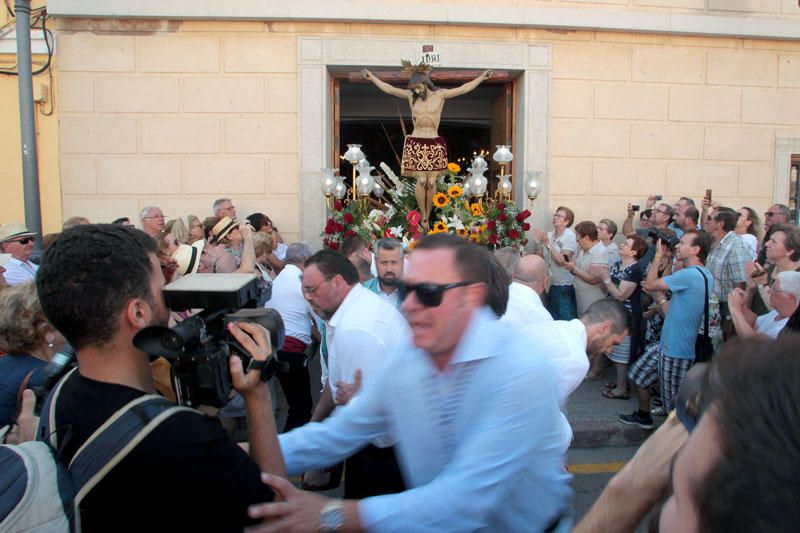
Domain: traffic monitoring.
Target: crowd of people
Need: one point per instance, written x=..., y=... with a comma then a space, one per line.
x=445, y=371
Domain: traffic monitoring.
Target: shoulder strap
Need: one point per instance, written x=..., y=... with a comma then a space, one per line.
x=22, y=386
x=47, y=418
x=115, y=439
x=705, y=305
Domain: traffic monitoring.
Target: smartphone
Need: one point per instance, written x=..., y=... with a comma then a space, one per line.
x=759, y=271
x=634, y=208
x=658, y=197
x=566, y=258
x=708, y=193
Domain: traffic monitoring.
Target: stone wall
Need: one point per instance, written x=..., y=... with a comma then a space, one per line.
x=180, y=113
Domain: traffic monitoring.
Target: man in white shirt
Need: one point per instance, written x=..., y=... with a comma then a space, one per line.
x=152, y=218
x=784, y=298
x=15, y=239
x=361, y=330
x=568, y=343
x=529, y=275
x=287, y=299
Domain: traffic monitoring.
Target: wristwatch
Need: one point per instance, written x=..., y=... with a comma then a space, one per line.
x=331, y=518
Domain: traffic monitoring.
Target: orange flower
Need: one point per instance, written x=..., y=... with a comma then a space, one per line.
x=454, y=168
x=462, y=232
x=455, y=191
x=440, y=199
x=476, y=210
x=440, y=227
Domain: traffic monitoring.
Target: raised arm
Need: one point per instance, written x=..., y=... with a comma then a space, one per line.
x=383, y=86
x=467, y=87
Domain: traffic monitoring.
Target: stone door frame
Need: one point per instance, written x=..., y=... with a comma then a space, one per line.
x=782, y=167
x=316, y=55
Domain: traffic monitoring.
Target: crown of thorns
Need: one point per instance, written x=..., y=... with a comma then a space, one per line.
x=411, y=68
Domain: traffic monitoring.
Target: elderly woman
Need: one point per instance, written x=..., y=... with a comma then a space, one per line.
x=783, y=255
x=28, y=342
x=624, y=284
x=263, y=246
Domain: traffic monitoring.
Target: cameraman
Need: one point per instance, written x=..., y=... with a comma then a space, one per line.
x=99, y=285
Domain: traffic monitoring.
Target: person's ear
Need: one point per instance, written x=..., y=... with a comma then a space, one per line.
x=137, y=313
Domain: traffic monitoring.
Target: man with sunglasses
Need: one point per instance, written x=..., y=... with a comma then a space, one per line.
x=777, y=214
x=15, y=239
x=475, y=411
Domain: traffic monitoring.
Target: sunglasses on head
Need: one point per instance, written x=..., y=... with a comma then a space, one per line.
x=428, y=294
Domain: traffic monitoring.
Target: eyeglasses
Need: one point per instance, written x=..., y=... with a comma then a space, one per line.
x=771, y=214
x=663, y=212
x=428, y=294
x=312, y=290
x=156, y=216
x=26, y=240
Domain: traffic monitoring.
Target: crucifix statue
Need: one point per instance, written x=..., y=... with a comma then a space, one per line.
x=424, y=152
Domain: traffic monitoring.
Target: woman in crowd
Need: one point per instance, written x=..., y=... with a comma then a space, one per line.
x=624, y=284
x=196, y=232
x=263, y=244
x=178, y=230
x=749, y=228
x=783, y=255
x=558, y=246
x=262, y=223
x=28, y=342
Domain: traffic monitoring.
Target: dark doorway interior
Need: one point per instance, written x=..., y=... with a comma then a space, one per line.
x=372, y=118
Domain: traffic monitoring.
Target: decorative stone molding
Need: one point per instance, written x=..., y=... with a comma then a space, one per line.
x=782, y=165
x=316, y=56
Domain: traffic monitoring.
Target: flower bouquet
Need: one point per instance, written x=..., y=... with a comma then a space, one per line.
x=506, y=225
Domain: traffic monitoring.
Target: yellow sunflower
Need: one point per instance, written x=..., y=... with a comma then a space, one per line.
x=440, y=199
x=474, y=237
x=455, y=191
x=440, y=227
x=476, y=210
x=454, y=168
x=462, y=232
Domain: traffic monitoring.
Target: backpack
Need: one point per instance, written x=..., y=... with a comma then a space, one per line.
x=39, y=494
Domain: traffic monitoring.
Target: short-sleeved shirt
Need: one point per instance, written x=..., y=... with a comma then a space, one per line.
x=613, y=254
x=634, y=274
x=586, y=293
x=686, y=308
x=767, y=324
x=565, y=242
x=726, y=263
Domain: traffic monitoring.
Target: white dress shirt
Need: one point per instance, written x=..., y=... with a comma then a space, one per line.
x=19, y=271
x=287, y=299
x=524, y=306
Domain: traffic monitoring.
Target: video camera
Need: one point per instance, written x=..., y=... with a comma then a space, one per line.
x=198, y=348
x=669, y=239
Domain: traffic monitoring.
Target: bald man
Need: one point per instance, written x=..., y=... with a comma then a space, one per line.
x=529, y=281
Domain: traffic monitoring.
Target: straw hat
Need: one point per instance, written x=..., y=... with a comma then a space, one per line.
x=222, y=228
x=188, y=257
x=14, y=231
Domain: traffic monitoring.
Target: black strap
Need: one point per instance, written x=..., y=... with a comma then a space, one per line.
x=705, y=306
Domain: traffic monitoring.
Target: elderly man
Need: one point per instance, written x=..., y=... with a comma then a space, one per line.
x=389, y=262
x=529, y=281
x=361, y=330
x=152, y=220
x=784, y=297
x=15, y=239
x=480, y=431
x=287, y=299
x=223, y=207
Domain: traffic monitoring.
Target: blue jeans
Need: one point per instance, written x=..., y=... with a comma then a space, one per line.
x=561, y=302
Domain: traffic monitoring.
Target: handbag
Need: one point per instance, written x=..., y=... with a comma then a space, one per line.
x=703, y=347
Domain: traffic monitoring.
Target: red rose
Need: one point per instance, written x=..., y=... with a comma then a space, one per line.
x=493, y=238
x=525, y=226
x=337, y=205
x=330, y=226
x=349, y=233
x=521, y=216
x=513, y=234
x=339, y=227
x=527, y=214
x=501, y=207
x=525, y=242
x=348, y=218
x=492, y=225
x=502, y=217
x=333, y=246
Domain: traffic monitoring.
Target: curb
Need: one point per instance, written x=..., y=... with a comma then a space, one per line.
x=598, y=434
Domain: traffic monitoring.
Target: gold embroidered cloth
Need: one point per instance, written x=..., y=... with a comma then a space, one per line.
x=424, y=155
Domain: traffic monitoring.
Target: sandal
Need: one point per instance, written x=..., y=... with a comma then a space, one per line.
x=609, y=393
x=592, y=377
x=610, y=385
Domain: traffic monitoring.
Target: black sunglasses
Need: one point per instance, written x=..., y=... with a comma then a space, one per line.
x=26, y=240
x=428, y=294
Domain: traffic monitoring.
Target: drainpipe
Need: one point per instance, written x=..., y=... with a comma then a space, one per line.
x=27, y=119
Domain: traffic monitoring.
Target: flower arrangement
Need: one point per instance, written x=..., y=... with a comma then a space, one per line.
x=506, y=225
x=339, y=226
